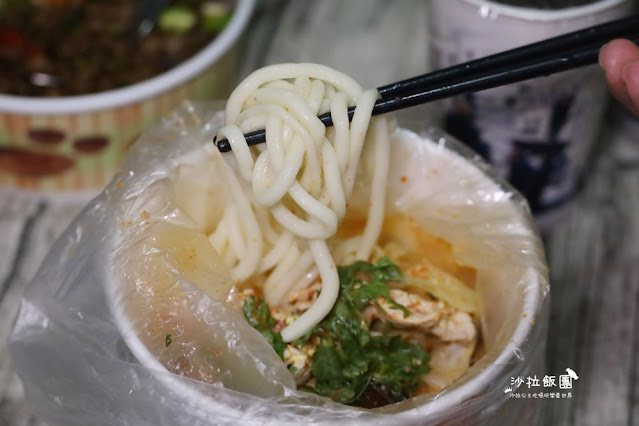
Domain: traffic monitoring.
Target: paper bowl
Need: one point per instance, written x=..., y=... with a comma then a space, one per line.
x=454, y=195
x=75, y=144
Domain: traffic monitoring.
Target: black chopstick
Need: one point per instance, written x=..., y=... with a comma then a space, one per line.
x=550, y=56
x=607, y=31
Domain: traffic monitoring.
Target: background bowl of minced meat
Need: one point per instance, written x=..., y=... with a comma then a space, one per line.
x=82, y=80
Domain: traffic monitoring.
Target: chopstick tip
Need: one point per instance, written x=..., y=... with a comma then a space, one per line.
x=223, y=145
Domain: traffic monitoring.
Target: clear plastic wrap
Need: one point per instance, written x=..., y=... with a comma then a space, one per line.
x=129, y=302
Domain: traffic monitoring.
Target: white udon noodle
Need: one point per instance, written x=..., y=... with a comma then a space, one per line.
x=300, y=180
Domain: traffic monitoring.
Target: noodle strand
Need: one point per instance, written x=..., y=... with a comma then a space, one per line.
x=300, y=181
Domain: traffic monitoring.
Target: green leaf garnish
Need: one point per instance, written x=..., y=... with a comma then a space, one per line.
x=350, y=363
x=258, y=315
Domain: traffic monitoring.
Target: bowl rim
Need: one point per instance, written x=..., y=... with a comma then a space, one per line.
x=550, y=15
x=446, y=400
x=148, y=88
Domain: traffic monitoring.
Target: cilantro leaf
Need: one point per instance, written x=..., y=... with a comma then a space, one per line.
x=351, y=365
x=385, y=270
x=350, y=361
x=397, y=366
x=258, y=315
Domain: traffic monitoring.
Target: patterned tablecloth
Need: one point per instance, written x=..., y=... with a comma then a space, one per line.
x=592, y=252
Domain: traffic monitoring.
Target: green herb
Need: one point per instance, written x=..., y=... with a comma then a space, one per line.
x=397, y=366
x=377, y=275
x=350, y=364
x=349, y=359
x=167, y=340
x=215, y=16
x=258, y=315
x=177, y=20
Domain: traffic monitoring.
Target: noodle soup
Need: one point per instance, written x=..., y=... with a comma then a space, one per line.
x=68, y=48
x=423, y=275
x=464, y=223
x=322, y=270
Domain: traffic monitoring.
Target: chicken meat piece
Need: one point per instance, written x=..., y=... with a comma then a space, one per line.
x=423, y=313
x=448, y=362
x=433, y=316
x=456, y=327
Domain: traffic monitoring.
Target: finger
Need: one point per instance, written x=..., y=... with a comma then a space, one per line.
x=613, y=57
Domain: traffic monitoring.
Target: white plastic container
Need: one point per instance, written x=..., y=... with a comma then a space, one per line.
x=75, y=348
x=453, y=195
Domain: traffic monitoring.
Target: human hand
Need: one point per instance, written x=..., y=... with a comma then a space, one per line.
x=620, y=60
